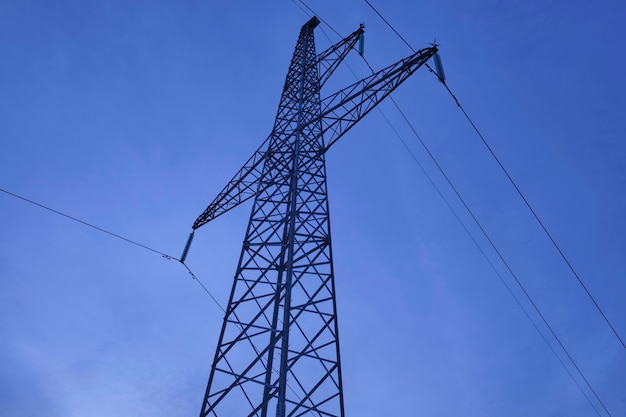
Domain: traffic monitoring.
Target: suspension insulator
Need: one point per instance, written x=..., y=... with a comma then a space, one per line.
x=361, y=44
x=184, y=256
x=439, y=68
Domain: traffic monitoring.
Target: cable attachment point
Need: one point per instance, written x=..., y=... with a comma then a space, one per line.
x=439, y=68
x=184, y=255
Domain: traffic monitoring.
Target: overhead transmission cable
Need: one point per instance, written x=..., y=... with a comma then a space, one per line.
x=492, y=244
x=534, y=305
x=482, y=230
x=100, y=229
x=480, y=249
x=508, y=267
x=163, y=254
x=512, y=181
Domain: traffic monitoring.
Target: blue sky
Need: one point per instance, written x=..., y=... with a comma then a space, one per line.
x=133, y=115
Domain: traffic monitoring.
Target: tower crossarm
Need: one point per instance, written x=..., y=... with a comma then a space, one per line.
x=329, y=60
x=343, y=109
x=241, y=188
x=340, y=112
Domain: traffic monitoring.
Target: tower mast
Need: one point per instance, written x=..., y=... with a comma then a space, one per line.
x=278, y=350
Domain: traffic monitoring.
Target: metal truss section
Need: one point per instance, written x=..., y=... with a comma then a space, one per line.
x=278, y=349
x=278, y=352
x=342, y=110
x=329, y=60
x=241, y=188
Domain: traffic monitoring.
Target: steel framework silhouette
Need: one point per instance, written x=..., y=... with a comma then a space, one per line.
x=278, y=350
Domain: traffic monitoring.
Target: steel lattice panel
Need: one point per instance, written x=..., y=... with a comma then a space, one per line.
x=284, y=273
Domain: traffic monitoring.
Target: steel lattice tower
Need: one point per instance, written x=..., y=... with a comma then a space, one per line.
x=278, y=350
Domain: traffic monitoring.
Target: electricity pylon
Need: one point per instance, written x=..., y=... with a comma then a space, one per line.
x=278, y=350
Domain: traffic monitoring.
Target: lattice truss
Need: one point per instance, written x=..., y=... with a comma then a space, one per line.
x=278, y=350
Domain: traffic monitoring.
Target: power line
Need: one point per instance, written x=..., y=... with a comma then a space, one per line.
x=100, y=229
x=389, y=25
x=536, y=308
x=206, y=290
x=513, y=183
x=480, y=249
x=508, y=267
x=536, y=216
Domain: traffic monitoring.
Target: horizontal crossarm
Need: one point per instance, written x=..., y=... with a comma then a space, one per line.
x=241, y=188
x=342, y=110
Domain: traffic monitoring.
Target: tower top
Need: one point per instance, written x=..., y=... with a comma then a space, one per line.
x=312, y=23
